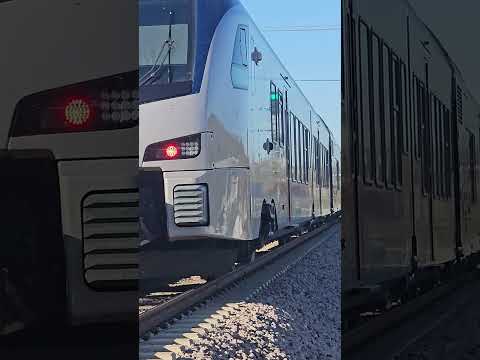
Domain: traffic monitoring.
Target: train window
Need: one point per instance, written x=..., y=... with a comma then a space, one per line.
x=239, y=68
x=324, y=163
x=317, y=161
x=386, y=104
x=473, y=166
x=327, y=167
x=307, y=155
x=422, y=139
x=436, y=167
x=415, y=120
x=322, y=166
x=291, y=123
x=295, y=147
x=338, y=176
x=420, y=117
x=281, y=119
x=426, y=142
x=378, y=133
x=365, y=104
x=448, y=155
x=404, y=108
x=439, y=150
x=433, y=137
x=300, y=151
x=397, y=130
x=274, y=111
x=314, y=160
x=441, y=146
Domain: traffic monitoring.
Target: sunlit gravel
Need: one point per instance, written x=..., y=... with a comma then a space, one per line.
x=296, y=317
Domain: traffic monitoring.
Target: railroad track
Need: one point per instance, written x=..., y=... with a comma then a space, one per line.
x=165, y=329
x=370, y=337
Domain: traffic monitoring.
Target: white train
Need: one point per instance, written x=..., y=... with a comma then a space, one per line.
x=227, y=132
x=69, y=158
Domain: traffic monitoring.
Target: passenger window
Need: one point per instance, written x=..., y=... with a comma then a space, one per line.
x=365, y=105
x=404, y=109
x=239, y=70
x=274, y=111
x=398, y=119
x=338, y=176
x=377, y=90
x=317, y=160
x=300, y=152
x=415, y=119
x=307, y=156
x=387, y=120
x=473, y=166
x=281, y=120
x=295, y=147
x=291, y=145
x=448, y=160
x=436, y=169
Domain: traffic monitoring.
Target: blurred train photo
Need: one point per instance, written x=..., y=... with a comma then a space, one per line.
x=410, y=146
x=68, y=154
x=232, y=154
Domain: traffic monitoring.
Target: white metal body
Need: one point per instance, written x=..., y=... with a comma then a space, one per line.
x=235, y=124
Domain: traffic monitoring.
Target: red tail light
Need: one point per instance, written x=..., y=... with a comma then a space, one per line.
x=187, y=147
x=103, y=104
x=171, y=151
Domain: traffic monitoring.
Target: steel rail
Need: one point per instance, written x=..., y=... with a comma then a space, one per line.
x=165, y=312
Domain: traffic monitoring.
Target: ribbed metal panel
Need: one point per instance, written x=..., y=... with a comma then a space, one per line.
x=190, y=205
x=459, y=104
x=110, y=240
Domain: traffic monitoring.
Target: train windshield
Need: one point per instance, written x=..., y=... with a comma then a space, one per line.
x=166, y=36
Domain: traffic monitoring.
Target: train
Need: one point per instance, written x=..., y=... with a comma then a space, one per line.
x=410, y=147
x=232, y=153
x=69, y=160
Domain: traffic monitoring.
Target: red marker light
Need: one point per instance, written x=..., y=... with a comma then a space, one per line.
x=77, y=112
x=171, y=151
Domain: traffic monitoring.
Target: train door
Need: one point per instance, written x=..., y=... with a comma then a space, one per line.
x=331, y=169
x=460, y=151
x=288, y=147
x=283, y=211
x=278, y=156
x=423, y=167
x=467, y=185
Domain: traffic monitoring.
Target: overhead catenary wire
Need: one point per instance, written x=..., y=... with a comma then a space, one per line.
x=319, y=80
x=302, y=28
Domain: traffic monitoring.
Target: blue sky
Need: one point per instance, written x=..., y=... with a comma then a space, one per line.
x=307, y=55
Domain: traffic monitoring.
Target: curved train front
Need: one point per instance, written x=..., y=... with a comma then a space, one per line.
x=237, y=149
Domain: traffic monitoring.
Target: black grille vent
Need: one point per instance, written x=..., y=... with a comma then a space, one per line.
x=110, y=239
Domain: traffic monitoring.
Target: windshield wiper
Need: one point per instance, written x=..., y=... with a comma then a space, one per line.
x=170, y=42
x=152, y=75
x=155, y=63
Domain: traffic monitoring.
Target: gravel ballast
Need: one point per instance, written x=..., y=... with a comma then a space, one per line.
x=296, y=317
